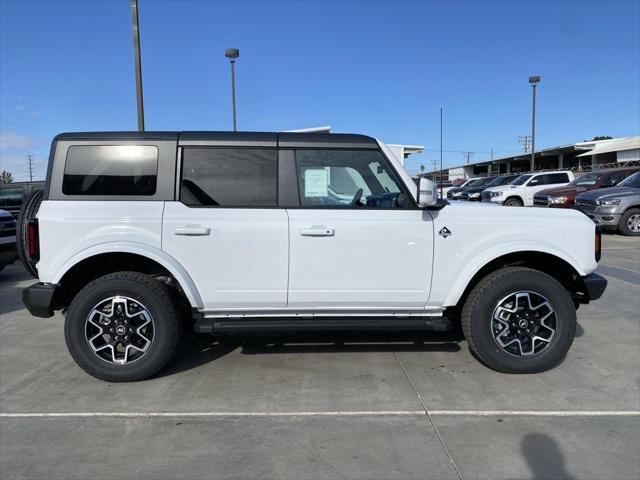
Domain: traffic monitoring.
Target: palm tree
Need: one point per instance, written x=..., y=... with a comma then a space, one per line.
x=6, y=177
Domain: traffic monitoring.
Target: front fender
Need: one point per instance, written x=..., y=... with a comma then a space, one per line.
x=152, y=253
x=477, y=262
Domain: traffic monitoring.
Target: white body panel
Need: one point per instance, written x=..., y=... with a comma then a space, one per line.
x=364, y=258
x=67, y=228
x=481, y=233
x=240, y=263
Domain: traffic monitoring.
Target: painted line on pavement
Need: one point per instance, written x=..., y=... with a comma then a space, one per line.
x=381, y=413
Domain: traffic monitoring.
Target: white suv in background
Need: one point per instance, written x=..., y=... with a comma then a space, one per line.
x=521, y=191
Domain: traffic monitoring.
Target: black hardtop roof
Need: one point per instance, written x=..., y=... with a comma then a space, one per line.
x=282, y=139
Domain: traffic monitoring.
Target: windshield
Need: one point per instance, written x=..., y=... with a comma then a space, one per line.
x=633, y=181
x=497, y=182
x=477, y=182
x=11, y=196
x=521, y=179
x=587, y=180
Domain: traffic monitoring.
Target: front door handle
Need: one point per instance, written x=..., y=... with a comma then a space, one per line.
x=192, y=230
x=317, y=231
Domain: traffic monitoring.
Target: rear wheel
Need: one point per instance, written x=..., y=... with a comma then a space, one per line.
x=122, y=327
x=28, y=212
x=630, y=222
x=519, y=320
x=513, y=202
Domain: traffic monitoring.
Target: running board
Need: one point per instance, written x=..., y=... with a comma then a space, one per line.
x=219, y=325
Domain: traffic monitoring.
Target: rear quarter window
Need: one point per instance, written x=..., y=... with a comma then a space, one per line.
x=110, y=170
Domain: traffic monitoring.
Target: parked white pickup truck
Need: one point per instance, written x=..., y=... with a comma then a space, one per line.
x=141, y=234
x=520, y=192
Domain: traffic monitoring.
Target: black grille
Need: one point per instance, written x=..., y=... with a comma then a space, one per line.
x=542, y=201
x=7, y=227
x=585, y=204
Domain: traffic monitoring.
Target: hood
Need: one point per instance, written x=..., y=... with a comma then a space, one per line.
x=501, y=188
x=474, y=189
x=564, y=191
x=601, y=193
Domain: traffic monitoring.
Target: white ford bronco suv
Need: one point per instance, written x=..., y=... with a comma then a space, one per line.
x=141, y=235
x=521, y=191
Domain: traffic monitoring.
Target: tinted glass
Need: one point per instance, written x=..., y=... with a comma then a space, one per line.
x=538, y=180
x=110, y=170
x=229, y=177
x=633, y=181
x=615, y=178
x=11, y=196
x=347, y=178
x=521, y=179
x=587, y=180
x=557, y=178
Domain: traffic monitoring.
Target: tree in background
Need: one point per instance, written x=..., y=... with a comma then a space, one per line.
x=6, y=177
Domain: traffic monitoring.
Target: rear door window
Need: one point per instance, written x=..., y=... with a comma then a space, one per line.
x=229, y=177
x=110, y=170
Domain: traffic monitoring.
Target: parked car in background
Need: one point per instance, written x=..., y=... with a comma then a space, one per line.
x=455, y=193
x=13, y=195
x=458, y=182
x=615, y=208
x=564, y=197
x=8, y=251
x=521, y=191
x=474, y=194
x=480, y=183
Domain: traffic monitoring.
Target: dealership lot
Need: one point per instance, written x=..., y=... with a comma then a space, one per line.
x=333, y=407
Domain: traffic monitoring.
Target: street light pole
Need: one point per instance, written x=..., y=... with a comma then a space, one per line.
x=534, y=82
x=232, y=54
x=135, y=27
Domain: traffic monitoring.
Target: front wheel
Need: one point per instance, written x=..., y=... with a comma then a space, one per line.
x=513, y=202
x=519, y=320
x=630, y=222
x=122, y=327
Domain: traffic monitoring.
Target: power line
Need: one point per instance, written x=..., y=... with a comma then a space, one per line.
x=525, y=141
x=468, y=155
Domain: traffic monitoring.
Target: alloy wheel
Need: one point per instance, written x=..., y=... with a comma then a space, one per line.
x=524, y=323
x=119, y=330
x=633, y=223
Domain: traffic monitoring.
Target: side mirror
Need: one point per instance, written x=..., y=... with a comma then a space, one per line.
x=534, y=182
x=427, y=193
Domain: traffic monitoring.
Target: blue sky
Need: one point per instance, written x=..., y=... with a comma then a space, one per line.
x=379, y=68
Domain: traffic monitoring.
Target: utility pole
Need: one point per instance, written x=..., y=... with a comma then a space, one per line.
x=492, y=154
x=135, y=27
x=30, y=160
x=468, y=155
x=525, y=141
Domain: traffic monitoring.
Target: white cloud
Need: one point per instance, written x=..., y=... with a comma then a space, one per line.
x=14, y=140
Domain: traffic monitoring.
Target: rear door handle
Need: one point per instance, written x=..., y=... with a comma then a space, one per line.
x=192, y=230
x=317, y=231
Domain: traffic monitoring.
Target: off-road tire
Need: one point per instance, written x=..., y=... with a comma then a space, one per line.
x=477, y=314
x=623, y=227
x=28, y=212
x=513, y=202
x=166, y=323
